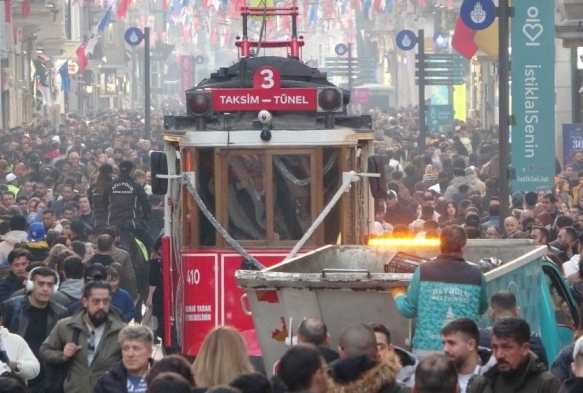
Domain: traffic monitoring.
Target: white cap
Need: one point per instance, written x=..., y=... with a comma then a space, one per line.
x=10, y=177
x=57, y=139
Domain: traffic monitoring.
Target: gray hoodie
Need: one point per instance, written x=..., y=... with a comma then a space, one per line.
x=72, y=287
x=454, y=186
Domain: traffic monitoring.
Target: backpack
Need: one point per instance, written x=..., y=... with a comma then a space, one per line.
x=57, y=374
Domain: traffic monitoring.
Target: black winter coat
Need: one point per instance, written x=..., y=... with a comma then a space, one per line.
x=11, y=283
x=121, y=199
x=572, y=385
x=562, y=365
x=535, y=379
x=114, y=381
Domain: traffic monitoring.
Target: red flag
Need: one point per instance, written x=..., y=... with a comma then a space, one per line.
x=463, y=39
x=122, y=10
x=81, y=57
x=25, y=8
x=7, y=14
x=377, y=5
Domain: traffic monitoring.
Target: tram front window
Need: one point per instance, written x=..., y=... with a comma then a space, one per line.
x=246, y=196
x=292, y=186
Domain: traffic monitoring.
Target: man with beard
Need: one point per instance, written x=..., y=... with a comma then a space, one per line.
x=460, y=342
x=517, y=369
x=97, y=348
x=503, y=305
x=566, y=240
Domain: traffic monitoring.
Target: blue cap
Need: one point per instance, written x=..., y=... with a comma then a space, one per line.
x=36, y=232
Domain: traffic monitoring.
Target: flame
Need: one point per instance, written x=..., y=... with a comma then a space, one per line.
x=403, y=242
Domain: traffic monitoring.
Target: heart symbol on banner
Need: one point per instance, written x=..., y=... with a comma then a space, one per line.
x=532, y=31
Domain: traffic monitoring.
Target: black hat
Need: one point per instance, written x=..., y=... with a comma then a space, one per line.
x=106, y=169
x=95, y=271
x=126, y=166
x=78, y=227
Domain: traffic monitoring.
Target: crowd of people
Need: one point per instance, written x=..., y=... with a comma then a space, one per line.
x=79, y=230
x=74, y=281
x=454, y=180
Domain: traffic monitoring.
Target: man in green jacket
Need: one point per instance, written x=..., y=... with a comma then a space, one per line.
x=517, y=369
x=97, y=348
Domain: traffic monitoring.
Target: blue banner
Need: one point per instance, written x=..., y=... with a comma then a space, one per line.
x=533, y=91
x=573, y=144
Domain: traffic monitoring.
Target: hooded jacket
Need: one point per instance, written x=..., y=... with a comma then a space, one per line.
x=454, y=187
x=475, y=181
x=39, y=250
x=360, y=374
x=73, y=288
x=18, y=350
x=9, y=240
x=535, y=379
x=409, y=363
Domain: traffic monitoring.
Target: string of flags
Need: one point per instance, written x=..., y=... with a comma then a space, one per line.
x=86, y=48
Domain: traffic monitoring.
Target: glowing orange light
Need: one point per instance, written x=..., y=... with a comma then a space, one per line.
x=403, y=242
x=187, y=162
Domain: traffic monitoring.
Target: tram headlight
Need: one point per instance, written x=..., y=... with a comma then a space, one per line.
x=330, y=100
x=198, y=103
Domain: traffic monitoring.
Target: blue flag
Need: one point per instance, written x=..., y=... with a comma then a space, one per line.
x=65, y=80
x=103, y=22
x=313, y=17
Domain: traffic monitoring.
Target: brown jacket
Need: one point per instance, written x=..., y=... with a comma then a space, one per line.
x=363, y=375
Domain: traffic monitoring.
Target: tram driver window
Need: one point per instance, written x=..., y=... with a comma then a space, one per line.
x=246, y=196
x=292, y=185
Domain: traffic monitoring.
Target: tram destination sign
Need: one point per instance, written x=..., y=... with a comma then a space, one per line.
x=276, y=99
x=266, y=94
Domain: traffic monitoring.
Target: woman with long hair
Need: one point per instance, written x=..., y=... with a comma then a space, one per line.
x=222, y=358
x=95, y=194
x=430, y=176
x=562, y=192
x=449, y=215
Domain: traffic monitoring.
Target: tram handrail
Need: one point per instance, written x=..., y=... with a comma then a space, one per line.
x=347, y=179
x=188, y=180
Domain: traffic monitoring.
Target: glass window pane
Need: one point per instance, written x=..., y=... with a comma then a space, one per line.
x=292, y=185
x=246, y=196
x=206, y=190
x=332, y=181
